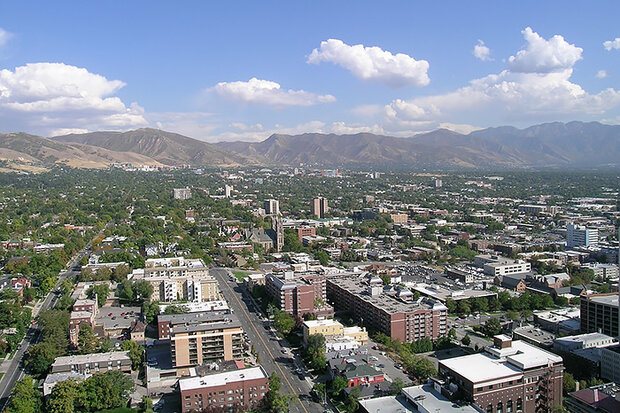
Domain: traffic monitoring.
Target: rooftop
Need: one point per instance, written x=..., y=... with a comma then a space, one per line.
x=391, y=304
x=321, y=323
x=608, y=299
x=91, y=358
x=496, y=363
x=221, y=379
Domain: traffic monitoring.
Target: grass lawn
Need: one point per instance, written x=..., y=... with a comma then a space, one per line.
x=239, y=275
x=1, y=374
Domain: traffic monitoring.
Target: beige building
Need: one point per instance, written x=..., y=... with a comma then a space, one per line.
x=175, y=279
x=399, y=218
x=201, y=338
x=332, y=328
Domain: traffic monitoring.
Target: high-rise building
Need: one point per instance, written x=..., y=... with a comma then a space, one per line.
x=318, y=207
x=182, y=193
x=201, y=338
x=228, y=190
x=438, y=183
x=599, y=314
x=581, y=236
x=272, y=206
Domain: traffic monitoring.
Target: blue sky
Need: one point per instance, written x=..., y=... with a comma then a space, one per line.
x=243, y=70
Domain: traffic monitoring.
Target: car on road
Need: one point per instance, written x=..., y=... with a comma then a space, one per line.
x=381, y=366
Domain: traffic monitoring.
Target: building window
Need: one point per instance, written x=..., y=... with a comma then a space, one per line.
x=519, y=405
x=490, y=408
x=509, y=406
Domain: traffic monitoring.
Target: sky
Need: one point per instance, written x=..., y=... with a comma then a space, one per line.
x=235, y=70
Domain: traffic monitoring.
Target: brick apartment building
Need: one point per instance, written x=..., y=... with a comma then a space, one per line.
x=238, y=390
x=392, y=311
x=599, y=314
x=510, y=376
x=201, y=338
x=84, y=311
x=305, y=232
x=299, y=294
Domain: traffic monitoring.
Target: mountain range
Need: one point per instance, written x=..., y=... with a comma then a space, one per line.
x=551, y=145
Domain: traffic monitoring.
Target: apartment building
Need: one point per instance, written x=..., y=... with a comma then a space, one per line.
x=510, y=376
x=227, y=391
x=331, y=328
x=178, y=278
x=299, y=293
x=93, y=363
x=84, y=311
x=581, y=236
x=200, y=338
x=181, y=193
x=599, y=314
x=319, y=207
x=272, y=206
x=495, y=265
x=394, y=312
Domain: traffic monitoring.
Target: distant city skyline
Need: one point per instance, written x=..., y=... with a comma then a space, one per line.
x=242, y=71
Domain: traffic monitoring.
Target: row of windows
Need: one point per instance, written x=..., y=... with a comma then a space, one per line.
x=499, y=408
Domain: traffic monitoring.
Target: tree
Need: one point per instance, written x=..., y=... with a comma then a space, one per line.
x=25, y=397
x=352, y=403
x=175, y=309
x=146, y=405
x=464, y=307
x=466, y=340
x=569, y=384
x=40, y=357
x=276, y=402
x=319, y=390
x=283, y=321
x=143, y=290
x=315, y=351
x=102, y=291
x=323, y=257
x=451, y=304
x=107, y=390
x=396, y=386
x=150, y=311
x=338, y=385
x=126, y=293
x=62, y=398
x=492, y=327
x=87, y=341
x=136, y=353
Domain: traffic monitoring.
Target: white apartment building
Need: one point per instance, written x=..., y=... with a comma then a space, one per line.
x=581, y=236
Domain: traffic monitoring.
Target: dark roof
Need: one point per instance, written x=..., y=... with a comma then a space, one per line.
x=511, y=281
x=352, y=371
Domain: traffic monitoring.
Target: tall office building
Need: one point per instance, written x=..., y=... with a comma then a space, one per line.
x=278, y=231
x=228, y=190
x=272, y=206
x=319, y=207
x=581, y=236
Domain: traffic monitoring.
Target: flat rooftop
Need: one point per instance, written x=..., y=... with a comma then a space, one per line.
x=357, y=285
x=611, y=300
x=91, y=358
x=481, y=367
x=196, y=318
x=321, y=323
x=221, y=379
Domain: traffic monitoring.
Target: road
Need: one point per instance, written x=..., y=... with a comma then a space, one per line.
x=273, y=354
x=15, y=370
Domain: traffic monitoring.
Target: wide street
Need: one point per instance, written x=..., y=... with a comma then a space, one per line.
x=273, y=356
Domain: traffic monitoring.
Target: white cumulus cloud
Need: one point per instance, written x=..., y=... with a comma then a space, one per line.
x=373, y=63
x=482, y=52
x=47, y=97
x=612, y=44
x=536, y=86
x=544, y=56
x=266, y=92
x=602, y=74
